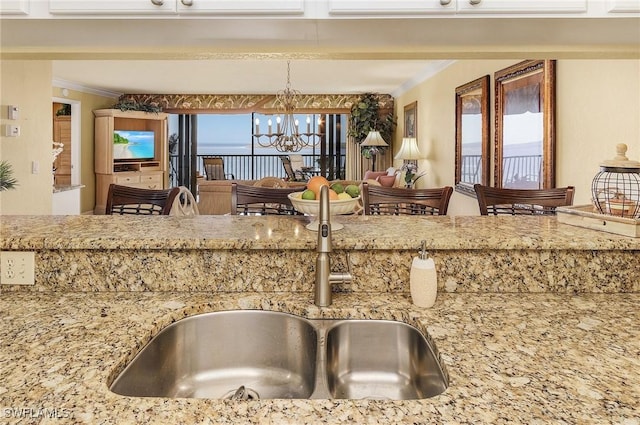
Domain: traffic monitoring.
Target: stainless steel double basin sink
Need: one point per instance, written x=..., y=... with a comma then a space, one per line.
x=251, y=354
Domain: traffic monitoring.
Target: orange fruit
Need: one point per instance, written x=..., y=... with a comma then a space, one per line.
x=333, y=195
x=315, y=183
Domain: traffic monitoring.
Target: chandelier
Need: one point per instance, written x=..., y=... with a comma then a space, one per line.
x=287, y=136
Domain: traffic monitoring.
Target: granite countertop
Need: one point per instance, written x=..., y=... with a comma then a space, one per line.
x=511, y=358
x=560, y=354
x=57, y=188
x=278, y=232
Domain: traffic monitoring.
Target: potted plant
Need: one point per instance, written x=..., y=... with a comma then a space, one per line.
x=7, y=181
x=173, y=144
x=366, y=116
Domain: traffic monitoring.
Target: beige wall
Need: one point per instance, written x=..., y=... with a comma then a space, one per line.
x=27, y=84
x=598, y=106
x=88, y=102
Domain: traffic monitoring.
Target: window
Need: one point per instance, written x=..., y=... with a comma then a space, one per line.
x=231, y=137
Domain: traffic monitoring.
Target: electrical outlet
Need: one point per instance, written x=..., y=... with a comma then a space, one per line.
x=17, y=267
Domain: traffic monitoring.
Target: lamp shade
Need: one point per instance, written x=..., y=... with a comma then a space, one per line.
x=409, y=149
x=374, y=139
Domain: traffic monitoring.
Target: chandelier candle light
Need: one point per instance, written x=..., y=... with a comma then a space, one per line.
x=409, y=152
x=287, y=137
x=376, y=144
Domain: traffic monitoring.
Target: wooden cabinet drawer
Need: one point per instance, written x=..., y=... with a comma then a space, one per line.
x=151, y=178
x=148, y=185
x=128, y=179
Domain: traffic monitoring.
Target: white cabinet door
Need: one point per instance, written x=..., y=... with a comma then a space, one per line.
x=387, y=7
x=241, y=7
x=112, y=7
x=66, y=202
x=627, y=6
x=14, y=7
x=522, y=6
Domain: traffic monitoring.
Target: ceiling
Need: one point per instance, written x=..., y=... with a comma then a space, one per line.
x=249, y=56
x=247, y=76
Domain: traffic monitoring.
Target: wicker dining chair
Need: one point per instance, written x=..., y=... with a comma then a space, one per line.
x=257, y=200
x=123, y=200
x=495, y=201
x=381, y=200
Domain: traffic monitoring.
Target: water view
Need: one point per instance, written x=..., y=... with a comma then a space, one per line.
x=133, y=144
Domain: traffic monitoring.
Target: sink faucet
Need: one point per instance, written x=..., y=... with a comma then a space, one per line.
x=324, y=277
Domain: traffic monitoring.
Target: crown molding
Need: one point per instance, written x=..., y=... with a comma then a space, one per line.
x=64, y=84
x=432, y=69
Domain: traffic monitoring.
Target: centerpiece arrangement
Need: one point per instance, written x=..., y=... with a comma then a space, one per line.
x=342, y=200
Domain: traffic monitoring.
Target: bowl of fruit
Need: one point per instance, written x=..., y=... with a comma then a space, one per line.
x=342, y=200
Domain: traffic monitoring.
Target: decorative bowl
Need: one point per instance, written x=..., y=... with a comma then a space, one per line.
x=312, y=207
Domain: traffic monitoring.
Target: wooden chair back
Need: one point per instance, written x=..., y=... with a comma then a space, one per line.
x=257, y=200
x=380, y=200
x=123, y=200
x=494, y=201
x=214, y=168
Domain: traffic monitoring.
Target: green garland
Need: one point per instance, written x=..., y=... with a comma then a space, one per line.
x=132, y=105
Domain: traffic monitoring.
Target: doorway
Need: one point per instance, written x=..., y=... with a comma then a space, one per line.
x=66, y=130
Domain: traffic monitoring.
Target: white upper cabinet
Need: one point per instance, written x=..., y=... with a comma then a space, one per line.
x=112, y=7
x=522, y=6
x=388, y=7
x=625, y=6
x=14, y=7
x=241, y=7
x=318, y=9
x=153, y=7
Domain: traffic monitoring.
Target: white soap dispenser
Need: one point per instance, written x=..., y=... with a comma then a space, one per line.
x=423, y=280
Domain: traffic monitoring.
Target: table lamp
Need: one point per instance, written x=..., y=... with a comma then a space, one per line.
x=409, y=152
x=375, y=143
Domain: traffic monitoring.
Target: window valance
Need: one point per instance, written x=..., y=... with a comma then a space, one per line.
x=237, y=103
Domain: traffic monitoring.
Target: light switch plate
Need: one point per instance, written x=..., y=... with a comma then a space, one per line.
x=12, y=112
x=11, y=130
x=17, y=267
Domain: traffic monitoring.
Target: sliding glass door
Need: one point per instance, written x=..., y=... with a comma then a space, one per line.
x=192, y=137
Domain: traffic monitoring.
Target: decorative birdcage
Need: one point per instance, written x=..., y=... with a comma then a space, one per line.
x=616, y=188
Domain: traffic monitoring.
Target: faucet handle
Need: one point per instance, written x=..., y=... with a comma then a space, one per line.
x=342, y=277
x=324, y=213
x=324, y=221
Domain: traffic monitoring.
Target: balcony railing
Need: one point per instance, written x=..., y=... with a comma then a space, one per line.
x=471, y=168
x=243, y=167
x=518, y=172
x=522, y=172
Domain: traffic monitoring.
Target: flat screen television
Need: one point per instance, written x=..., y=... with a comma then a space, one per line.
x=133, y=145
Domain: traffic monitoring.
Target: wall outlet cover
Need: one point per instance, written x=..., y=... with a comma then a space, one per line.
x=17, y=267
